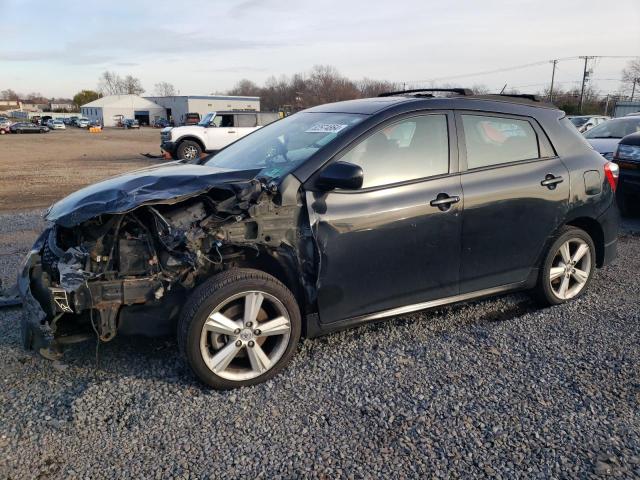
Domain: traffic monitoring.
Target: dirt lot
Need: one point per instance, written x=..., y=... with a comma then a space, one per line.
x=36, y=170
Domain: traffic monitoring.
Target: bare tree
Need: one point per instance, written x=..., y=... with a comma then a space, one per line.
x=132, y=85
x=631, y=74
x=247, y=88
x=9, y=94
x=322, y=84
x=112, y=84
x=164, y=89
x=372, y=88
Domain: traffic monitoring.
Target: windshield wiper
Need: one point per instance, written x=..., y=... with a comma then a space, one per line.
x=609, y=136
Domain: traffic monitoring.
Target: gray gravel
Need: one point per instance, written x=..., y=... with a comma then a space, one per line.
x=491, y=389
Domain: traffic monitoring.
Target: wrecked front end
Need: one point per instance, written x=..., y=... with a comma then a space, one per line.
x=130, y=270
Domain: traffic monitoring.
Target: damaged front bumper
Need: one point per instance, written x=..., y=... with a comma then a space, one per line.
x=34, y=329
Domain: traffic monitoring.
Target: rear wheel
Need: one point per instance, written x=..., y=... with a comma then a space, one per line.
x=568, y=267
x=189, y=149
x=239, y=328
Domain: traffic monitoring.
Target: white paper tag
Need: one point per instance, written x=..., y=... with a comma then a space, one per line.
x=326, y=128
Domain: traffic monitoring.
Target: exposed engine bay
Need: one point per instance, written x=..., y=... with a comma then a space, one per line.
x=130, y=272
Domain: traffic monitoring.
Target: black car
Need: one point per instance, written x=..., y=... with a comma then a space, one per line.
x=28, y=127
x=337, y=215
x=627, y=157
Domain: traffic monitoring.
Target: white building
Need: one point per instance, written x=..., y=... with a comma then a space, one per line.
x=109, y=111
x=178, y=106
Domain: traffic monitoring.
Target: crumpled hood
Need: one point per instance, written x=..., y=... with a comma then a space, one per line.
x=155, y=184
x=604, y=145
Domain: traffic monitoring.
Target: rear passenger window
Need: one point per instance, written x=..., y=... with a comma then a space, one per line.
x=246, y=120
x=496, y=140
x=417, y=147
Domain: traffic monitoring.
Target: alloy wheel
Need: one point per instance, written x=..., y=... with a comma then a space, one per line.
x=570, y=268
x=190, y=153
x=245, y=336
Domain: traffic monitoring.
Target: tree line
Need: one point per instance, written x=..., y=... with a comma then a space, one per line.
x=325, y=84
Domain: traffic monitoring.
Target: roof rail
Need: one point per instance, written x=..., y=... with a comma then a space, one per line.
x=459, y=91
x=528, y=96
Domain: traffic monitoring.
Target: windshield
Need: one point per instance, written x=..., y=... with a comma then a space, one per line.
x=579, y=121
x=616, y=128
x=281, y=146
x=206, y=120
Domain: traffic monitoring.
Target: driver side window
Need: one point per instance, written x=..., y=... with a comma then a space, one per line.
x=413, y=148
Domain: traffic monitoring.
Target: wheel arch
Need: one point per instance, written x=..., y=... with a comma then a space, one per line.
x=193, y=139
x=282, y=266
x=595, y=231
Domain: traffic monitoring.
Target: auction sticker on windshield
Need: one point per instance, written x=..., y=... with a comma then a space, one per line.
x=326, y=128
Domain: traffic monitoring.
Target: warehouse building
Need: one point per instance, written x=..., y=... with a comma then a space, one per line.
x=177, y=107
x=111, y=110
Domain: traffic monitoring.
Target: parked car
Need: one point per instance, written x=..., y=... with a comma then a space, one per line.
x=162, y=123
x=627, y=157
x=131, y=123
x=4, y=129
x=73, y=121
x=337, y=215
x=28, y=127
x=82, y=123
x=587, y=122
x=56, y=125
x=213, y=133
x=605, y=137
x=5, y=123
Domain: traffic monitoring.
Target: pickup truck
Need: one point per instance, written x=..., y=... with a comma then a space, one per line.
x=214, y=132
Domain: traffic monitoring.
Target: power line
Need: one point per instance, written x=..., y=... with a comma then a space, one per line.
x=516, y=67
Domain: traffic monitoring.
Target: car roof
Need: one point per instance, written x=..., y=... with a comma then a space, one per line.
x=370, y=106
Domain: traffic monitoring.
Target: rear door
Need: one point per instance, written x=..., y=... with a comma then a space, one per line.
x=222, y=131
x=386, y=245
x=516, y=193
x=245, y=124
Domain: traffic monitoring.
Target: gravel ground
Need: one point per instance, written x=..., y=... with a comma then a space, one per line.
x=496, y=388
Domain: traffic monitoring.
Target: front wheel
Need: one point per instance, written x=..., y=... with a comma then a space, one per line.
x=568, y=267
x=189, y=150
x=239, y=328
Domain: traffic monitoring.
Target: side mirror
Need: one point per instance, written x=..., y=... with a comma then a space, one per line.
x=344, y=175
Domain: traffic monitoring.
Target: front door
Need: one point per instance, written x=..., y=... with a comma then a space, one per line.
x=516, y=192
x=386, y=246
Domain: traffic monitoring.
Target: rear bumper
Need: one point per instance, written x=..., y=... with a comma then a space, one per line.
x=610, y=223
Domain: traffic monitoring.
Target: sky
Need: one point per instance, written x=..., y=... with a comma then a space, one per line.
x=201, y=47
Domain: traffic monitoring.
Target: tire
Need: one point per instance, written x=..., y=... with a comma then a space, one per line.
x=576, y=274
x=227, y=294
x=189, y=149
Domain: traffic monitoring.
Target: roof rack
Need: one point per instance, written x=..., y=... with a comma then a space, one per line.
x=459, y=91
x=527, y=96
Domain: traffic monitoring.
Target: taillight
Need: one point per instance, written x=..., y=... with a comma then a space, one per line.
x=612, y=172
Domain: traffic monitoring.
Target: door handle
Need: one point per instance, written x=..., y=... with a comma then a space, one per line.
x=550, y=181
x=231, y=131
x=443, y=201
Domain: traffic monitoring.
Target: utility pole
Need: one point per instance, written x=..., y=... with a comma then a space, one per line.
x=606, y=105
x=585, y=76
x=553, y=76
x=633, y=88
